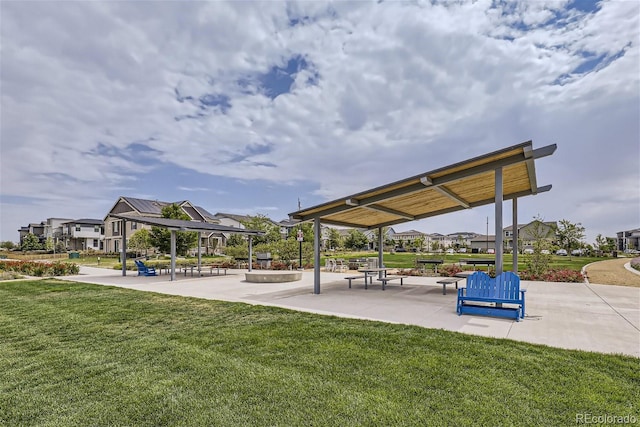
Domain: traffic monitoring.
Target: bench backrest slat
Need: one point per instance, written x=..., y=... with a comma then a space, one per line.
x=504, y=286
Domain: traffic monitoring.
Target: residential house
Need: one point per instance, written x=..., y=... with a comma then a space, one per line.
x=628, y=240
x=405, y=239
x=460, y=239
x=529, y=233
x=152, y=208
x=83, y=234
x=37, y=229
x=482, y=243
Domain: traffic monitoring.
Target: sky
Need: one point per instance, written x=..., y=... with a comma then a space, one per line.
x=249, y=107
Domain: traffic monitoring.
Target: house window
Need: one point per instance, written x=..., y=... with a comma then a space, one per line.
x=116, y=245
x=96, y=228
x=116, y=227
x=78, y=228
x=95, y=243
x=134, y=225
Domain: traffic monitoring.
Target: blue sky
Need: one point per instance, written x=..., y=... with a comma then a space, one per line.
x=246, y=107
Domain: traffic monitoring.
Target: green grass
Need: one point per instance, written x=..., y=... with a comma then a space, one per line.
x=79, y=354
x=408, y=260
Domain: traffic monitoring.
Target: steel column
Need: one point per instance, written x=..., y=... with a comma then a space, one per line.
x=316, y=256
x=498, y=220
x=123, y=257
x=173, y=255
x=515, y=233
x=250, y=253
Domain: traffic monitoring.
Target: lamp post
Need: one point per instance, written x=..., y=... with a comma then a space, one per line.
x=300, y=239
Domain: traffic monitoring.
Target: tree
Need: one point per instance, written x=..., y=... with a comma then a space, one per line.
x=30, y=242
x=8, y=244
x=334, y=239
x=236, y=240
x=263, y=223
x=539, y=261
x=569, y=235
x=418, y=243
x=356, y=240
x=140, y=241
x=161, y=237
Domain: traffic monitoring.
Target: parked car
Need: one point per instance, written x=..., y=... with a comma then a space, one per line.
x=528, y=251
x=401, y=250
x=545, y=251
x=576, y=252
x=561, y=252
x=462, y=250
x=491, y=251
x=450, y=251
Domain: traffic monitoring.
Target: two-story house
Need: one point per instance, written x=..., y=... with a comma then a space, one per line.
x=83, y=234
x=529, y=233
x=152, y=208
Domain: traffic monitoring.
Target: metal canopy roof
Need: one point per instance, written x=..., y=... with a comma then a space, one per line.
x=185, y=225
x=463, y=185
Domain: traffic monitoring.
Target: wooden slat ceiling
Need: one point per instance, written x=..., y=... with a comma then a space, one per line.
x=459, y=186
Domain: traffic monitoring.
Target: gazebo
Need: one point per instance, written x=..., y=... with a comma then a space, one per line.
x=506, y=174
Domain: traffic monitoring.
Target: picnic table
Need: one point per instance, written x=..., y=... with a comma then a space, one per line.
x=477, y=261
x=425, y=262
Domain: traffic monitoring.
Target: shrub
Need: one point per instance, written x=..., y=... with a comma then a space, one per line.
x=635, y=263
x=553, y=275
x=449, y=270
x=32, y=268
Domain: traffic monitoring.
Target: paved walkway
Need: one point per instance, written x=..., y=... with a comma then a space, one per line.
x=599, y=318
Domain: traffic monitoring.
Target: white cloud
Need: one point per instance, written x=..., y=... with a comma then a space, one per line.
x=400, y=89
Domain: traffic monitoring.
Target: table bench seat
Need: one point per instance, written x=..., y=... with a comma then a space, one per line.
x=447, y=281
x=386, y=279
x=360, y=276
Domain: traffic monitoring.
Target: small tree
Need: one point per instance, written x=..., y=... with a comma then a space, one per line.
x=140, y=241
x=236, y=240
x=356, y=240
x=569, y=235
x=418, y=243
x=161, y=237
x=30, y=242
x=539, y=261
x=8, y=244
x=335, y=239
x=263, y=223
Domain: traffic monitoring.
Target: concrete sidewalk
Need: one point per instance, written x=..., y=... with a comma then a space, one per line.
x=597, y=318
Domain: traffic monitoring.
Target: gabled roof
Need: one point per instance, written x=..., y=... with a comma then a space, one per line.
x=235, y=217
x=463, y=185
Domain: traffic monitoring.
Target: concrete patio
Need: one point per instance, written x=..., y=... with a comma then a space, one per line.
x=600, y=318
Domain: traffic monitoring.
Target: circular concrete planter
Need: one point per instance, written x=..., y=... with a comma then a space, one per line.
x=273, y=276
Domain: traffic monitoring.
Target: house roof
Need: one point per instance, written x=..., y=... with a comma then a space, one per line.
x=483, y=238
x=88, y=221
x=462, y=185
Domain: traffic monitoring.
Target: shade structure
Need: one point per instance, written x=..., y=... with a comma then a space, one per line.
x=452, y=188
x=506, y=174
x=175, y=225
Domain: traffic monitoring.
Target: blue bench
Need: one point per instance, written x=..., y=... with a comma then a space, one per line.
x=504, y=289
x=143, y=270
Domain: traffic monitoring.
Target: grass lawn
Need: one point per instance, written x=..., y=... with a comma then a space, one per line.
x=80, y=354
x=408, y=260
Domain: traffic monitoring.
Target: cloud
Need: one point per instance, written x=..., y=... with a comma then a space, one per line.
x=347, y=95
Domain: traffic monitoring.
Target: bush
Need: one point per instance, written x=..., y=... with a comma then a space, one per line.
x=32, y=268
x=449, y=270
x=553, y=275
x=635, y=264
